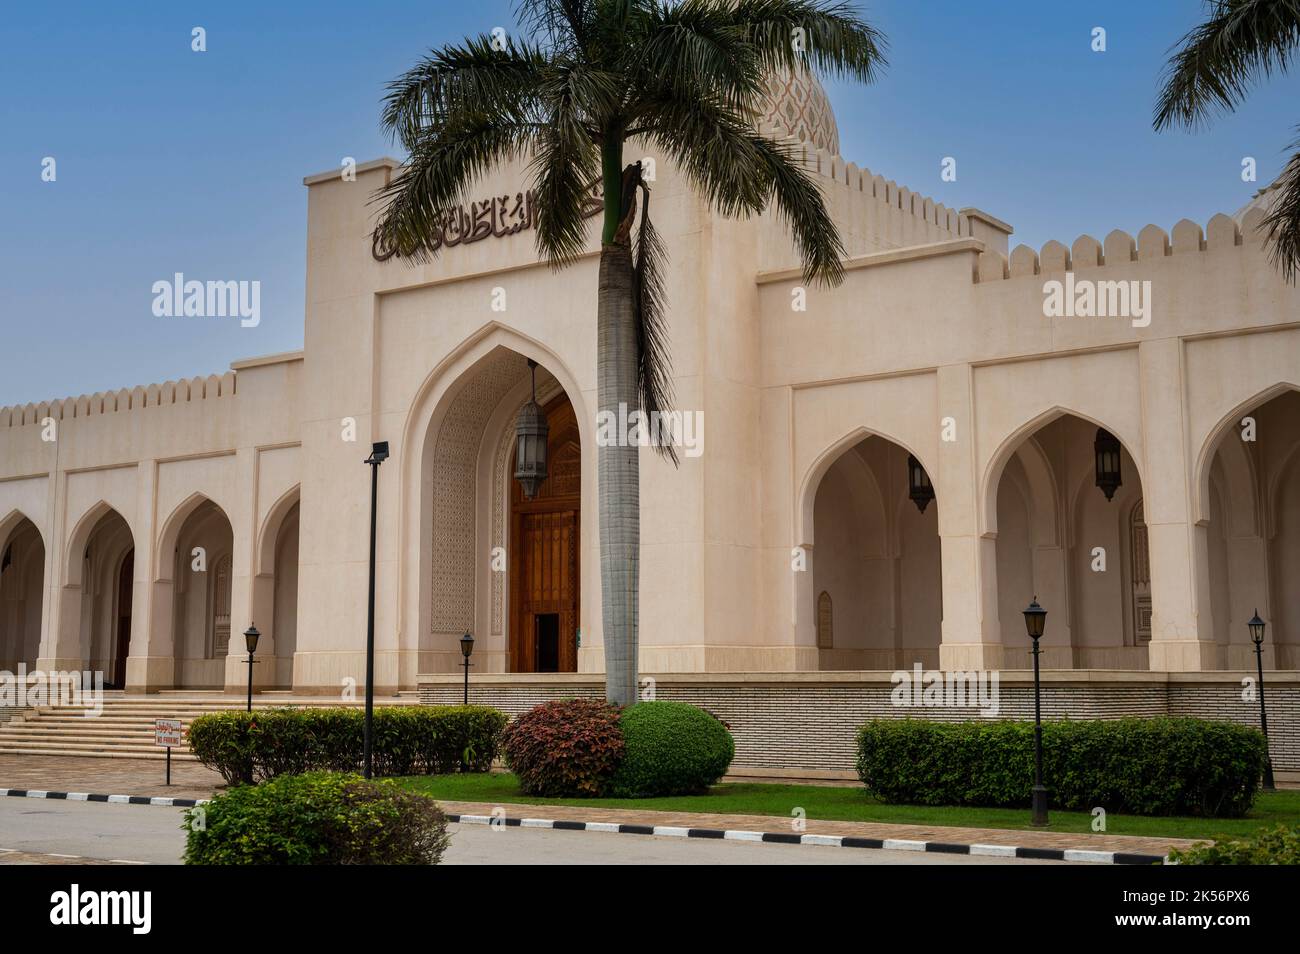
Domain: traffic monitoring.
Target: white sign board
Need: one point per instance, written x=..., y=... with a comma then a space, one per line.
x=167, y=732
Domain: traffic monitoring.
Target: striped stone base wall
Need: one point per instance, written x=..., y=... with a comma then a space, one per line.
x=808, y=721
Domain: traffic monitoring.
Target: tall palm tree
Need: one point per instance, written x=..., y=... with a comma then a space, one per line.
x=688, y=77
x=1241, y=43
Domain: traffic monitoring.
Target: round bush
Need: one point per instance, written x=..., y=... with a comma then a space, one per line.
x=320, y=818
x=671, y=748
x=564, y=748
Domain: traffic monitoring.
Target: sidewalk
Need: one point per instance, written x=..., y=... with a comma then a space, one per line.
x=190, y=780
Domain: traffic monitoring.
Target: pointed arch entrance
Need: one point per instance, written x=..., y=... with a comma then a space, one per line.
x=545, y=548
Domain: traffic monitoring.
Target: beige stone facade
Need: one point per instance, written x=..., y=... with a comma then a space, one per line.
x=789, y=545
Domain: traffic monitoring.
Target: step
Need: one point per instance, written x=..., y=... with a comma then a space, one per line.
x=95, y=753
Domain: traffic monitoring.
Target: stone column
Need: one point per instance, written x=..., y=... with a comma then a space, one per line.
x=971, y=636
x=1182, y=630
x=151, y=662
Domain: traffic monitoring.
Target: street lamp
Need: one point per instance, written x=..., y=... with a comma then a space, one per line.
x=251, y=636
x=531, y=433
x=466, y=648
x=1256, y=626
x=1035, y=621
x=378, y=454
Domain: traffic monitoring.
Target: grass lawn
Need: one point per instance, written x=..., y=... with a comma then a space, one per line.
x=852, y=804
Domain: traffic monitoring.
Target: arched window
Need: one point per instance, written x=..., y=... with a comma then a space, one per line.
x=825, y=621
x=220, y=632
x=1141, y=583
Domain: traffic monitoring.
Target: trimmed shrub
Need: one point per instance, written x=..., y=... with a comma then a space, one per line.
x=565, y=747
x=247, y=747
x=320, y=818
x=670, y=748
x=1270, y=846
x=1161, y=766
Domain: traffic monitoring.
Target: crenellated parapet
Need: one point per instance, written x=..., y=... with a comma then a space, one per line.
x=1220, y=234
x=895, y=214
x=141, y=397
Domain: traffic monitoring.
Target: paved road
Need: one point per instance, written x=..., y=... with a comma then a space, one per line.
x=31, y=828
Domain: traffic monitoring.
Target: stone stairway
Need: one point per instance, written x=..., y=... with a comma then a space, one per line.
x=125, y=727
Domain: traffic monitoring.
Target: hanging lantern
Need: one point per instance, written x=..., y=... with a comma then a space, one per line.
x=919, y=487
x=531, y=432
x=1106, y=450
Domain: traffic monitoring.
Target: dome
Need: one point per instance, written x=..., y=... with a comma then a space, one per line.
x=797, y=104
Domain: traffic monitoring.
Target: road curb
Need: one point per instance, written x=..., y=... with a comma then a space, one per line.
x=114, y=799
x=1080, y=855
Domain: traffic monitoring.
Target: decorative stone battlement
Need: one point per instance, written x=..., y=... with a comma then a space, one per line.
x=1221, y=233
x=116, y=402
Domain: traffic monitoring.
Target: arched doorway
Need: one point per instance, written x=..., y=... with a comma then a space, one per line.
x=1082, y=552
x=1250, y=543
x=876, y=573
x=122, y=615
x=545, y=546
x=201, y=573
x=22, y=584
x=104, y=604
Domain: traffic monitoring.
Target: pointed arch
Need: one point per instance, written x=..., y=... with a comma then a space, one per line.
x=812, y=478
x=268, y=534
x=75, y=552
x=1210, y=446
x=168, y=537
x=1009, y=445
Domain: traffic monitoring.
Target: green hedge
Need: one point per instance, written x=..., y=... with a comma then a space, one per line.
x=1161, y=766
x=670, y=748
x=1270, y=846
x=321, y=818
x=247, y=747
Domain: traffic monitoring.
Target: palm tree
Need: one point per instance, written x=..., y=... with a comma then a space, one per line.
x=1241, y=43
x=688, y=77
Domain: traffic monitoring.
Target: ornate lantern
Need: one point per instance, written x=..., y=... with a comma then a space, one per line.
x=531, y=433
x=1106, y=451
x=919, y=487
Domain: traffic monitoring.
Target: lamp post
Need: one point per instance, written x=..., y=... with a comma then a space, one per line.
x=466, y=648
x=1256, y=626
x=251, y=636
x=1035, y=620
x=378, y=454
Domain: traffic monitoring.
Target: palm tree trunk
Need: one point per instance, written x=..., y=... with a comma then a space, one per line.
x=617, y=470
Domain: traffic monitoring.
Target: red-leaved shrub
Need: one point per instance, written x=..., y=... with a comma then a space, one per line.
x=565, y=748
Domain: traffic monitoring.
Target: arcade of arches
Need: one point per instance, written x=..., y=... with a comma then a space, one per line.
x=877, y=571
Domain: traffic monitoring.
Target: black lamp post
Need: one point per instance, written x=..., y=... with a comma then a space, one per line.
x=531, y=433
x=1106, y=451
x=1035, y=620
x=251, y=636
x=466, y=648
x=1257, y=637
x=919, y=487
x=378, y=454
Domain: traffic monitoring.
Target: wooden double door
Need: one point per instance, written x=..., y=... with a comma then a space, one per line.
x=545, y=543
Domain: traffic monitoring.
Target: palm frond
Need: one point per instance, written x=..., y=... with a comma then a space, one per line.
x=654, y=371
x=799, y=203
x=472, y=78
x=1283, y=220
x=1241, y=43
x=835, y=40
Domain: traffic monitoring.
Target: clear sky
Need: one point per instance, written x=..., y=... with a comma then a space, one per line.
x=171, y=161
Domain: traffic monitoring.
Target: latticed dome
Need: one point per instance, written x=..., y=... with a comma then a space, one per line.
x=797, y=104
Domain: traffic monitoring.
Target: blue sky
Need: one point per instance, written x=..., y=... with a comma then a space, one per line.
x=174, y=161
